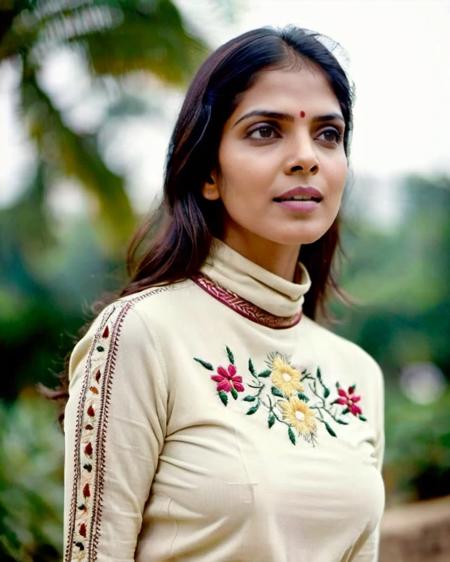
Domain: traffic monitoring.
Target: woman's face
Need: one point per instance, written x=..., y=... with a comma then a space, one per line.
x=282, y=165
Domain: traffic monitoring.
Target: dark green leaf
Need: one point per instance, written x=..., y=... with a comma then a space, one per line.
x=362, y=418
x=223, y=396
x=271, y=420
x=292, y=436
x=330, y=429
x=230, y=356
x=326, y=392
x=204, y=364
x=251, y=368
x=265, y=374
x=303, y=397
x=234, y=393
x=250, y=398
x=252, y=410
x=346, y=411
x=342, y=422
x=277, y=392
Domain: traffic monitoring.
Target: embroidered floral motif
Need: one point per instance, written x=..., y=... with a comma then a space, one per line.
x=298, y=415
x=290, y=396
x=349, y=399
x=284, y=377
x=227, y=379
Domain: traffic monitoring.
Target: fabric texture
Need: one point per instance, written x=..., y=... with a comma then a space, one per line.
x=209, y=420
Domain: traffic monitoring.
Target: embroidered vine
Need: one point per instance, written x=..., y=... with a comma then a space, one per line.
x=289, y=396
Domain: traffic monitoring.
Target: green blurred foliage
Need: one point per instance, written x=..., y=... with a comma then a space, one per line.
x=400, y=280
x=31, y=478
x=417, y=459
x=113, y=38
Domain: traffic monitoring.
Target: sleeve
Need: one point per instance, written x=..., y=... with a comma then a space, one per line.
x=114, y=429
x=368, y=545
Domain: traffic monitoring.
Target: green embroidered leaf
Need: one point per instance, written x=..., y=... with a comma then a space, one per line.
x=250, y=398
x=252, y=410
x=362, y=418
x=303, y=397
x=292, y=436
x=265, y=374
x=223, y=396
x=271, y=420
x=342, y=422
x=204, y=364
x=346, y=411
x=277, y=392
x=338, y=385
x=326, y=390
x=234, y=393
x=230, y=355
x=251, y=368
x=329, y=429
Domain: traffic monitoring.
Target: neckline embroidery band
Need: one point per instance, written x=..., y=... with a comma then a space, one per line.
x=243, y=307
x=289, y=395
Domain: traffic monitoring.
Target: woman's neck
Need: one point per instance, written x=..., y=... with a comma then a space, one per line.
x=279, y=259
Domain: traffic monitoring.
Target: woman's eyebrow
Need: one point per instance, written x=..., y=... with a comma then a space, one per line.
x=264, y=113
x=329, y=117
x=286, y=116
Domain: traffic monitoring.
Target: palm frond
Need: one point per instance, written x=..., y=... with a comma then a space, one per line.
x=76, y=155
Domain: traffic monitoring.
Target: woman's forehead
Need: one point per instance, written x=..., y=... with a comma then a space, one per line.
x=297, y=91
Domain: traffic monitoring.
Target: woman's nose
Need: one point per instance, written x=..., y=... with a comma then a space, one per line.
x=302, y=158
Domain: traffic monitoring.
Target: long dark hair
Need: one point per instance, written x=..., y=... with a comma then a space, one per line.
x=177, y=247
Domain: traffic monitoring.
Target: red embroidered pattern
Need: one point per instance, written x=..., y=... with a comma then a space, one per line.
x=243, y=307
x=91, y=430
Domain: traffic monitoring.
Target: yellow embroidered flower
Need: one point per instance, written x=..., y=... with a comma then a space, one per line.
x=298, y=415
x=285, y=377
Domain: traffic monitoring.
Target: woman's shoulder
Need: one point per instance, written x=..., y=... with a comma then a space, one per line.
x=128, y=322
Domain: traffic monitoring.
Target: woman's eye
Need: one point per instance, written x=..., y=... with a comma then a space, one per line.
x=263, y=132
x=332, y=135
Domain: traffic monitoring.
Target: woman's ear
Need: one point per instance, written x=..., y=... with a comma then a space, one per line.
x=210, y=189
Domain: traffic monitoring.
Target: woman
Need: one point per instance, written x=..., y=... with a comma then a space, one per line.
x=210, y=417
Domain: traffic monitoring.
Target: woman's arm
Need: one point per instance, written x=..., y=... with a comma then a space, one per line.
x=114, y=431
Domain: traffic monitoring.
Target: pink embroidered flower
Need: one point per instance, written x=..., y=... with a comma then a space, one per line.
x=227, y=380
x=349, y=399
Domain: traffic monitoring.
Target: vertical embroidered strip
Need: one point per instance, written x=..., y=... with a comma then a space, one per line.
x=85, y=515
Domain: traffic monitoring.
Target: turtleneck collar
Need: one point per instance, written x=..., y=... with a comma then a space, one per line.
x=271, y=295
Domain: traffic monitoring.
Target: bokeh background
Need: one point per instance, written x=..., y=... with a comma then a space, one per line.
x=89, y=91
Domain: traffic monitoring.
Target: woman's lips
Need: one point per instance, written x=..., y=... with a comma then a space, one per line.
x=299, y=206
x=300, y=199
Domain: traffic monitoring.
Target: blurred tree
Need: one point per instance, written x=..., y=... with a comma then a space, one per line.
x=114, y=38
x=401, y=280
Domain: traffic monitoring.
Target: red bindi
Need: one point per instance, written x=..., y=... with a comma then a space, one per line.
x=302, y=114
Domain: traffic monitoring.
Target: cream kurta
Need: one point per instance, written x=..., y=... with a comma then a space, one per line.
x=203, y=425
